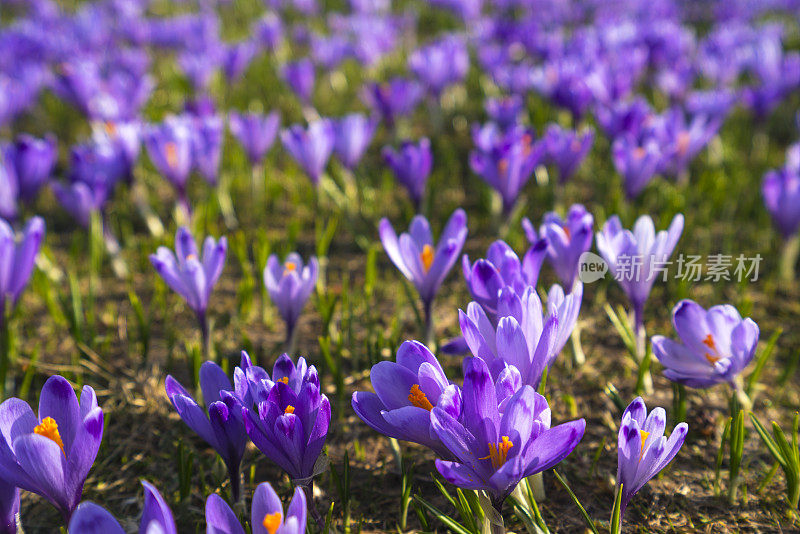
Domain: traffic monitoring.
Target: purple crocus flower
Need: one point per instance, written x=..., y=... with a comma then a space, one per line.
x=191, y=275
x=441, y=63
x=504, y=111
x=311, y=148
x=269, y=30
x=81, y=200
x=420, y=260
x=683, y=140
x=51, y=454
x=567, y=149
x=17, y=258
x=9, y=188
x=502, y=268
x=411, y=165
x=567, y=239
x=89, y=518
x=405, y=393
x=299, y=76
x=9, y=507
x=643, y=448
x=289, y=419
x=353, y=135
x=637, y=162
x=33, y=160
x=223, y=427
x=636, y=257
x=266, y=514
x=496, y=449
x=781, y=192
x=236, y=57
x=505, y=160
x=207, y=136
x=255, y=132
x=526, y=341
x=170, y=147
x=715, y=345
x=289, y=284
x=392, y=99
x=623, y=117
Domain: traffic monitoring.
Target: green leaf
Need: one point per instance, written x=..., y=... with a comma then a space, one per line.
x=584, y=513
x=446, y=520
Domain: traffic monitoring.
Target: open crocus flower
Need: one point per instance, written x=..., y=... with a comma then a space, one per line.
x=255, y=132
x=636, y=257
x=496, y=449
x=411, y=165
x=502, y=268
x=637, y=161
x=9, y=507
x=422, y=261
x=715, y=345
x=223, y=427
x=567, y=149
x=524, y=338
x=89, y=518
x=17, y=258
x=311, y=148
x=266, y=514
x=566, y=238
x=51, y=454
x=405, y=394
x=289, y=285
x=394, y=98
x=253, y=384
x=189, y=274
x=643, y=449
x=289, y=422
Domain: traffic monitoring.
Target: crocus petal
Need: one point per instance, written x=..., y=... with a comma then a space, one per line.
x=90, y=518
x=220, y=519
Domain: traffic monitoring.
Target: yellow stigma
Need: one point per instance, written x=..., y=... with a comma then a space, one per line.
x=498, y=452
x=272, y=522
x=285, y=380
x=172, y=154
x=111, y=128
x=639, y=152
x=289, y=409
x=427, y=257
x=643, y=435
x=49, y=429
x=289, y=267
x=417, y=398
x=683, y=142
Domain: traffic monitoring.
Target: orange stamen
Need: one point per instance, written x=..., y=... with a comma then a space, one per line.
x=427, y=257
x=417, y=398
x=49, y=429
x=708, y=341
x=289, y=409
x=498, y=452
x=171, y=154
x=285, y=380
x=683, y=142
x=272, y=522
x=639, y=152
x=643, y=435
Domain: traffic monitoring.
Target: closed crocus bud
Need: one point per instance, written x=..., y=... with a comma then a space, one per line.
x=299, y=76
x=170, y=147
x=33, y=160
x=255, y=132
x=643, y=448
x=289, y=284
x=567, y=149
x=353, y=135
x=394, y=98
x=714, y=345
x=17, y=259
x=236, y=57
x=411, y=165
x=310, y=147
x=637, y=161
x=781, y=192
x=51, y=453
x=207, y=137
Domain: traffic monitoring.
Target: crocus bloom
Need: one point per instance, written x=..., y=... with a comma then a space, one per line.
x=33, y=160
x=51, y=454
x=636, y=258
x=506, y=160
x=9, y=507
x=289, y=285
x=81, y=200
x=495, y=450
x=207, y=137
x=567, y=149
x=266, y=514
x=299, y=76
x=781, y=191
x=502, y=268
x=223, y=427
x=420, y=260
x=236, y=57
x=394, y=98
x=353, y=135
x=637, y=162
x=504, y=111
x=525, y=337
x=89, y=518
x=441, y=63
x=566, y=239
x=290, y=419
x=17, y=257
x=311, y=148
x=411, y=165
x=682, y=140
x=255, y=132
x=405, y=393
x=715, y=345
x=188, y=273
x=170, y=147
x=643, y=449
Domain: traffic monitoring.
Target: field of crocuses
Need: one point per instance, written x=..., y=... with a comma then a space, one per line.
x=469, y=266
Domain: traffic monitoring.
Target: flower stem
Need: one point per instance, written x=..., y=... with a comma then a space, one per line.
x=428, y=334
x=617, y=512
x=309, y=491
x=789, y=253
x=645, y=383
